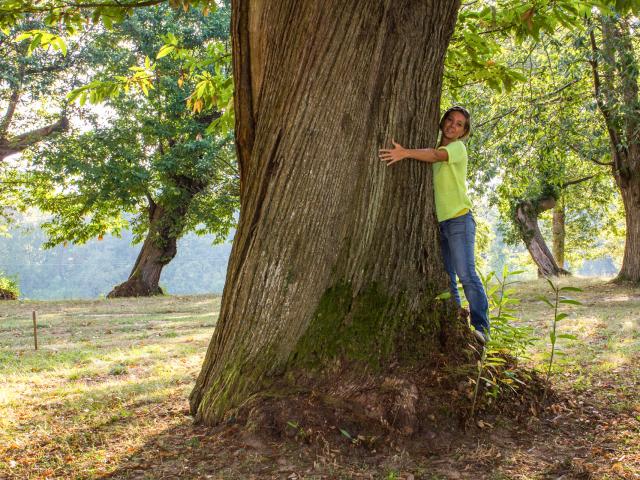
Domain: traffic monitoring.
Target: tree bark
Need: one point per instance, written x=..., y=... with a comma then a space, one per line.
x=559, y=234
x=526, y=219
x=335, y=256
x=619, y=104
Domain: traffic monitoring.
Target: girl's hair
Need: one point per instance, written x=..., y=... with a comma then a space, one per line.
x=463, y=111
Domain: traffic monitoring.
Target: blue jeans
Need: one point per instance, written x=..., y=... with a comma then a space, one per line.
x=457, y=239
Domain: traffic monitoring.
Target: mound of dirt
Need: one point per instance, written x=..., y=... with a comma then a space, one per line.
x=376, y=409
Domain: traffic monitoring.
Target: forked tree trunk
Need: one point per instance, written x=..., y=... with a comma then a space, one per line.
x=335, y=254
x=526, y=219
x=559, y=234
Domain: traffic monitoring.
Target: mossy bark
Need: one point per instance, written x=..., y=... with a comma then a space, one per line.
x=336, y=256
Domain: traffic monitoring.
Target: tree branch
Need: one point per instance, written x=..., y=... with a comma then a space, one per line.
x=577, y=151
x=26, y=140
x=497, y=117
x=575, y=182
x=13, y=102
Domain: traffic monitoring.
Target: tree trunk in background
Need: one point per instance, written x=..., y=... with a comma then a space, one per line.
x=526, y=218
x=630, y=270
x=158, y=250
x=559, y=234
x=335, y=254
x=166, y=224
x=616, y=93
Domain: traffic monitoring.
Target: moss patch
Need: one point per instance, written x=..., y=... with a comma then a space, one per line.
x=371, y=327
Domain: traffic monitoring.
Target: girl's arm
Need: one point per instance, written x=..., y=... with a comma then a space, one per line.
x=398, y=152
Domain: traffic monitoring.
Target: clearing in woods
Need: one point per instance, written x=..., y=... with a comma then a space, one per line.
x=105, y=396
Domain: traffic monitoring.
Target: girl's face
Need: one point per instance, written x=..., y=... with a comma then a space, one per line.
x=454, y=126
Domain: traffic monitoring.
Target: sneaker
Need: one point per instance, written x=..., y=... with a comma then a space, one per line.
x=481, y=337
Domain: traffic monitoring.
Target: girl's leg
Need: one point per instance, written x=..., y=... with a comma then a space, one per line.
x=461, y=241
x=448, y=266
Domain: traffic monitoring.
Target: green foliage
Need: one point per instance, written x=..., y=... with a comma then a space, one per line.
x=74, y=15
x=544, y=139
x=43, y=39
x=554, y=303
x=507, y=336
x=508, y=339
x=153, y=151
x=98, y=91
x=9, y=289
x=205, y=68
x=483, y=29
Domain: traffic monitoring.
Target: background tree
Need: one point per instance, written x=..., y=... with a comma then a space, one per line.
x=31, y=81
x=614, y=62
x=29, y=76
x=543, y=142
x=152, y=166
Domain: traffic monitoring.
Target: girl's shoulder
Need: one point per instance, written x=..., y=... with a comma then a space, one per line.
x=457, y=146
x=457, y=151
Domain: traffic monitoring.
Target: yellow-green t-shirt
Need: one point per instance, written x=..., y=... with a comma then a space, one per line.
x=450, y=182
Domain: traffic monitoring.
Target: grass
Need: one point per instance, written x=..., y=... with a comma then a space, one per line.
x=106, y=394
x=101, y=370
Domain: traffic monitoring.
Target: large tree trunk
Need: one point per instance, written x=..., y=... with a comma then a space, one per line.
x=526, y=219
x=559, y=233
x=335, y=255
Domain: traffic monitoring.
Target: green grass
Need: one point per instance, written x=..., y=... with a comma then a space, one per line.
x=100, y=369
x=112, y=374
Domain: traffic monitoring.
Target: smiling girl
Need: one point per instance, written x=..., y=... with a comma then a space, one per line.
x=453, y=209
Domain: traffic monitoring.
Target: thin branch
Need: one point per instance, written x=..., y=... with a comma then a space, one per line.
x=575, y=182
x=580, y=154
x=497, y=117
x=558, y=90
x=532, y=101
x=598, y=162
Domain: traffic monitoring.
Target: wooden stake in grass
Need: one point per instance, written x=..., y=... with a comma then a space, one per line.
x=35, y=329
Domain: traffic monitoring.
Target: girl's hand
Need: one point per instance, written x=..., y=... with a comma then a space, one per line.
x=397, y=153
